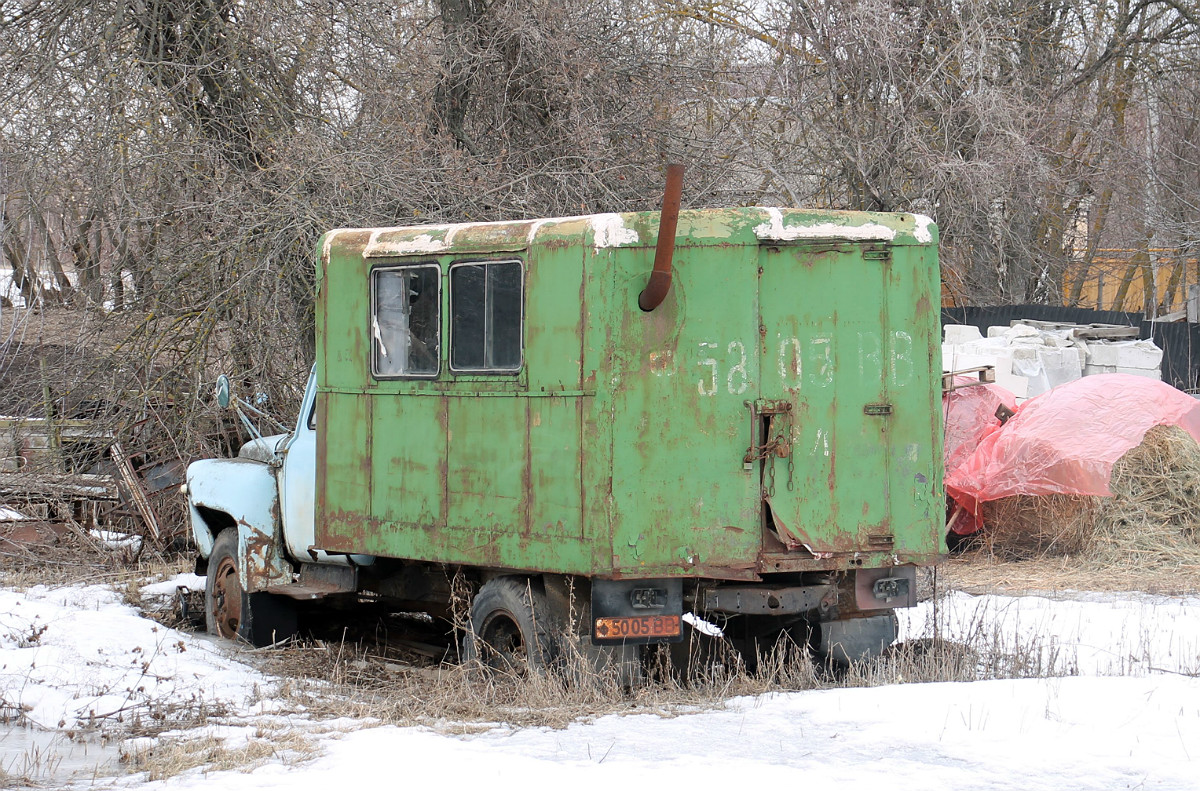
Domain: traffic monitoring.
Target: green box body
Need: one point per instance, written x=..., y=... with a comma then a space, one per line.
x=779, y=412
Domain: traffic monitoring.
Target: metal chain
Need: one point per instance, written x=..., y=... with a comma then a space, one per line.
x=778, y=445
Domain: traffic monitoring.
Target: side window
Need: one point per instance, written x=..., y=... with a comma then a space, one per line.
x=405, y=304
x=485, y=316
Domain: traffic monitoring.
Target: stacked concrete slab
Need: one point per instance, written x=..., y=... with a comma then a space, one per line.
x=1029, y=360
x=1140, y=358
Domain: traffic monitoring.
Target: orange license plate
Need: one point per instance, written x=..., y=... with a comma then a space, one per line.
x=637, y=627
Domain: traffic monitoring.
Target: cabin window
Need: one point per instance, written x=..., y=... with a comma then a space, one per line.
x=405, y=306
x=485, y=316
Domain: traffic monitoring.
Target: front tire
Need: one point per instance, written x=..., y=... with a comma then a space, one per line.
x=260, y=619
x=510, y=628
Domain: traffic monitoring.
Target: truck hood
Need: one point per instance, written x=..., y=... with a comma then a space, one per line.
x=265, y=449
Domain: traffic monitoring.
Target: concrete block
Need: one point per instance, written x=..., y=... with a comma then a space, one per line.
x=1150, y=373
x=1017, y=385
x=958, y=358
x=1125, y=354
x=1046, y=368
x=961, y=333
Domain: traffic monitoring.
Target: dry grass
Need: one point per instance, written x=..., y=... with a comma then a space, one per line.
x=76, y=558
x=328, y=681
x=979, y=572
x=35, y=768
x=1145, y=537
x=168, y=757
x=1154, y=519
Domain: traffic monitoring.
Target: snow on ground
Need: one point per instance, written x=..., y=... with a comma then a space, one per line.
x=70, y=656
x=1075, y=733
x=1129, y=719
x=1075, y=633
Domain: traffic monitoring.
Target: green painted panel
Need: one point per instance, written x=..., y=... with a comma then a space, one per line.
x=555, y=500
x=343, y=470
x=409, y=469
x=487, y=463
x=342, y=312
x=618, y=449
x=915, y=472
x=681, y=374
x=554, y=316
x=825, y=316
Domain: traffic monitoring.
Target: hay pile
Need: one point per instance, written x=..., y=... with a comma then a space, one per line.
x=1152, y=522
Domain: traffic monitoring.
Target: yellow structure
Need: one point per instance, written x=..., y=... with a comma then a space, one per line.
x=1122, y=279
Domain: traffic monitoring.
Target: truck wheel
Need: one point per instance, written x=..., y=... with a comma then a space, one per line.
x=510, y=630
x=230, y=612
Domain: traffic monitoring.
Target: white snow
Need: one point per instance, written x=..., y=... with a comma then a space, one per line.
x=70, y=656
x=422, y=243
x=114, y=540
x=922, y=233
x=1129, y=717
x=1093, y=634
x=775, y=230
x=609, y=231
x=167, y=588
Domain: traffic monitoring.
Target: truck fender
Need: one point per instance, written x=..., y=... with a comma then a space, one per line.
x=242, y=494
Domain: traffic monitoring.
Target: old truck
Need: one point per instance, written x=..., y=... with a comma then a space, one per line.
x=594, y=445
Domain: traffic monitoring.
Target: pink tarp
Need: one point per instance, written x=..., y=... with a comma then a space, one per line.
x=970, y=415
x=1066, y=440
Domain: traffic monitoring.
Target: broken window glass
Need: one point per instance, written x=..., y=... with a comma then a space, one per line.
x=485, y=316
x=404, y=321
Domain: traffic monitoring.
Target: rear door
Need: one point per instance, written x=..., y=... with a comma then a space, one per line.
x=824, y=411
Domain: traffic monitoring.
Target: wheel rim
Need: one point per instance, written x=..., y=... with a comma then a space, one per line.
x=501, y=644
x=227, y=599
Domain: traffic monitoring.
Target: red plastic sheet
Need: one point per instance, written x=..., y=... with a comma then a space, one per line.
x=1066, y=440
x=970, y=415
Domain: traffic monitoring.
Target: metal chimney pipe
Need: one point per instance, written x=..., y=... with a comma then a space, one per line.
x=660, y=279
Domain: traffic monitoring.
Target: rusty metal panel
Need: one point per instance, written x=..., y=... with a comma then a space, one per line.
x=408, y=462
x=634, y=443
x=344, y=463
x=825, y=351
x=683, y=502
x=245, y=490
x=915, y=472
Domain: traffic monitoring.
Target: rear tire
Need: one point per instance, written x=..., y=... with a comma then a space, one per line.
x=230, y=612
x=510, y=629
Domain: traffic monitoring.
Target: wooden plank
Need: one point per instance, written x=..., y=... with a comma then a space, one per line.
x=986, y=375
x=42, y=485
x=1038, y=324
x=134, y=484
x=1108, y=332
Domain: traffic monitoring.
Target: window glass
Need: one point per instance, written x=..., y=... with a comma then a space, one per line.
x=485, y=316
x=404, y=321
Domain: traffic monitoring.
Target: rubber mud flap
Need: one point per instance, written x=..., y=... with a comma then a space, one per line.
x=857, y=639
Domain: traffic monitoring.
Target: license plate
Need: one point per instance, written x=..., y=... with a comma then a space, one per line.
x=637, y=627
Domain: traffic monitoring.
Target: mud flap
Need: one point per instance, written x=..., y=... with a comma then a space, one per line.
x=857, y=639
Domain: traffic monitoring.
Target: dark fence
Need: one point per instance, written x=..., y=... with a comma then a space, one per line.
x=1179, y=340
